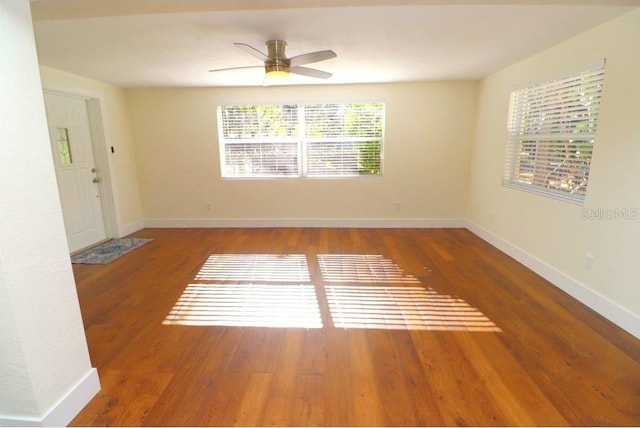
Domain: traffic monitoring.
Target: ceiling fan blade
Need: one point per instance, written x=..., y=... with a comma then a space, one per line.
x=253, y=51
x=310, y=57
x=235, y=68
x=310, y=72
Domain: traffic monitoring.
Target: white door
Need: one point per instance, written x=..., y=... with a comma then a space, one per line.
x=76, y=172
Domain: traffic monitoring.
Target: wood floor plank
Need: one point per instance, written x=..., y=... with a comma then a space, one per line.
x=187, y=397
x=518, y=395
x=226, y=396
x=314, y=357
x=368, y=408
x=277, y=411
x=421, y=392
x=125, y=399
x=458, y=389
x=308, y=407
x=252, y=405
x=397, y=406
x=258, y=352
x=337, y=380
x=536, y=356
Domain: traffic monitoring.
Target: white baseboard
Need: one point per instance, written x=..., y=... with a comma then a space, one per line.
x=64, y=410
x=306, y=222
x=612, y=311
x=131, y=228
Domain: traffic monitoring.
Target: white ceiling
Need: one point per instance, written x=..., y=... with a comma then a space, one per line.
x=144, y=43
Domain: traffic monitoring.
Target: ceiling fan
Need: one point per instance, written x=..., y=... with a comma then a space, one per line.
x=277, y=65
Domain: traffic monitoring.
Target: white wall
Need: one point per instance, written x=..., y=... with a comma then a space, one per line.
x=555, y=235
x=117, y=129
x=45, y=373
x=429, y=127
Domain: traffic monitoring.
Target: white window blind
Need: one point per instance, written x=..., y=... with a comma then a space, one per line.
x=552, y=129
x=315, y=140
x=259, y=140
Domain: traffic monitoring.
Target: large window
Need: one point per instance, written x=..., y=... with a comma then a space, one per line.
x=298, y=140
x=552, y=129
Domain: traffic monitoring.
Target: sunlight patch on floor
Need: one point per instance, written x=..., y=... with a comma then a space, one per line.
x=249, y=290
x=362, y=268
x=255, y=268
x=247, y=305
x=272, y=290
x=405, y=308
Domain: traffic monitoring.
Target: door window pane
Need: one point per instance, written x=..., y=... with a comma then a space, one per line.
x=64, y=148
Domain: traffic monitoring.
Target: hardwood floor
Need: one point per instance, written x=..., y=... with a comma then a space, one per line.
x=432, y=327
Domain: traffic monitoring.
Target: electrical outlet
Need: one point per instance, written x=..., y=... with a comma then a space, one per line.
x=588, y=261
x=397, y=205
x=207, y=206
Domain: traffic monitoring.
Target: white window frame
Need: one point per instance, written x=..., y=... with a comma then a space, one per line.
x=302, y=141
x=551, y=134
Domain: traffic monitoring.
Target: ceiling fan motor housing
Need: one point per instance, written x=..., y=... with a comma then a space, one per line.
x=277, y=59
x=277, y=65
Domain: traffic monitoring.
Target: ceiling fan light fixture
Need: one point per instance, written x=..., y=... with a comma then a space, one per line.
x=277, y=74
x=277, y=69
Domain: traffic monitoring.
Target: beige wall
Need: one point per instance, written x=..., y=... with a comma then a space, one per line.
x=556, y=232
x=117, y=129
x=429, y=128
